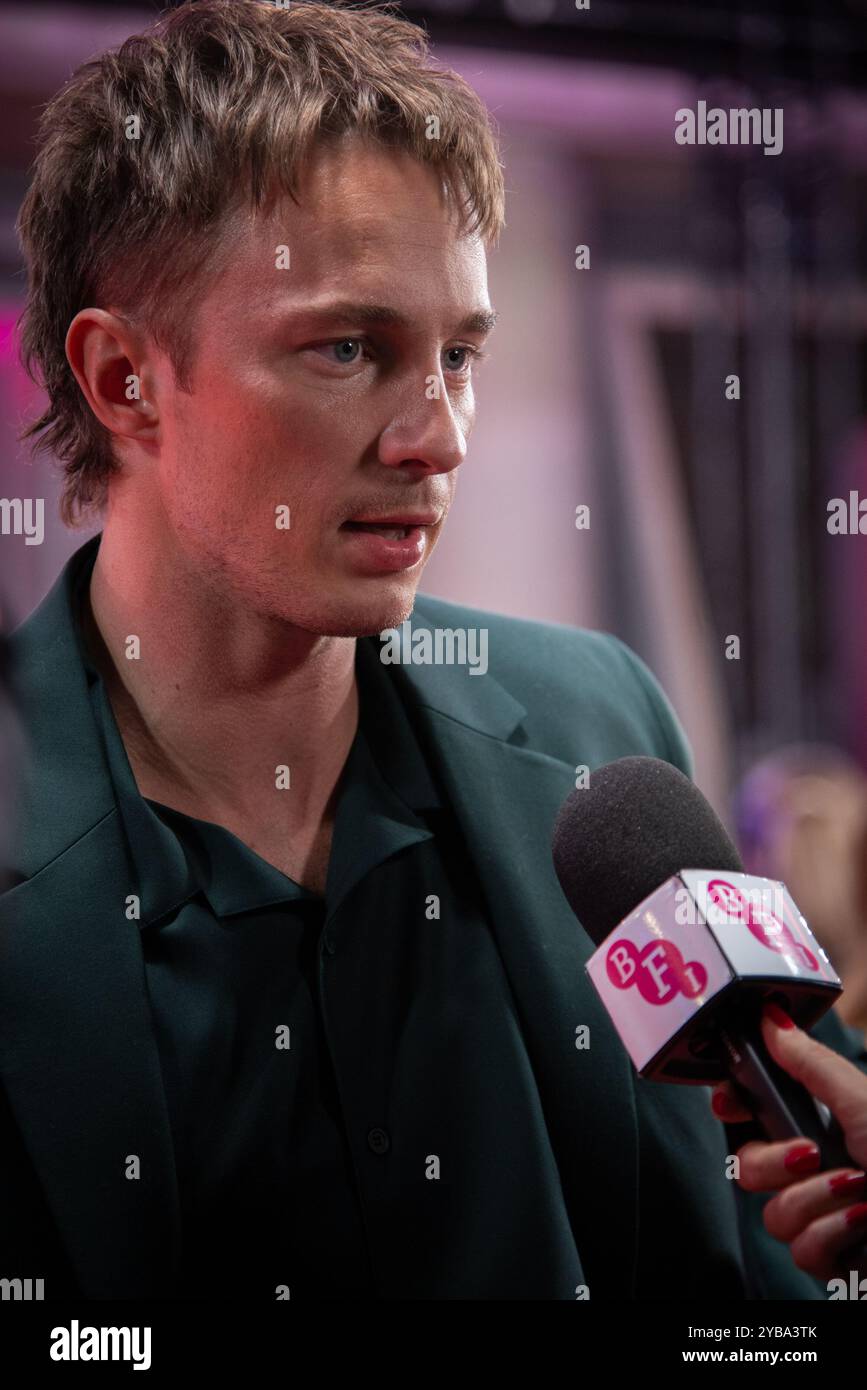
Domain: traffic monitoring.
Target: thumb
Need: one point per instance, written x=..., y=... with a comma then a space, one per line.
x=832, y=1079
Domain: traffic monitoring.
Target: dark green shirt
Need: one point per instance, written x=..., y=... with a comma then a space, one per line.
x=396, y=1148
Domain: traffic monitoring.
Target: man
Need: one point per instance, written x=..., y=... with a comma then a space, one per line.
x=289, y=991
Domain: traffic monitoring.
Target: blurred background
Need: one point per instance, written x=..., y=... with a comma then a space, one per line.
x=610, y=382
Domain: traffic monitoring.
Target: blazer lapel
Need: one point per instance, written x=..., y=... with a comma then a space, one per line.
x=506, y=798
x=78, y=1055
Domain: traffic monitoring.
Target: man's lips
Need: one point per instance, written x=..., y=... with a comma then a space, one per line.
x=389, y=543
x=396, y=519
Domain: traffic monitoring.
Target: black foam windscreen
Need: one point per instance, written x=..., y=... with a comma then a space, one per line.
x=640, y=821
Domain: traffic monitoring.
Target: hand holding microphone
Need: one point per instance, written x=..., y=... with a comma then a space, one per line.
x=689, y=950
x=817, y=1214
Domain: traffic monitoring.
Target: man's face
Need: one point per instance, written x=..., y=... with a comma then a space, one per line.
x=297, y=404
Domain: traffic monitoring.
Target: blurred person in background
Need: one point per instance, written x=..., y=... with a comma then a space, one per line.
x=801, y=817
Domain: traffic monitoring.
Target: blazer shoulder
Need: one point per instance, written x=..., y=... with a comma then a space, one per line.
x=572, y=679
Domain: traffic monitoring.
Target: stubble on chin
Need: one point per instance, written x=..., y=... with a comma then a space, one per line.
x=351, y=616
x=356, y=622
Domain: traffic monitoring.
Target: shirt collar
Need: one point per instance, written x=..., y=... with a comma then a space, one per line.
x=385, y=784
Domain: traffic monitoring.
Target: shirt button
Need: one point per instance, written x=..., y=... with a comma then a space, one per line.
x=379, y=1141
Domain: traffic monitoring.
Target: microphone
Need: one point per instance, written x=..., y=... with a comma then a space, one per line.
x=689, y=947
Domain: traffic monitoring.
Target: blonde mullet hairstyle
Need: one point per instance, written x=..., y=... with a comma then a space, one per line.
x=230, y=96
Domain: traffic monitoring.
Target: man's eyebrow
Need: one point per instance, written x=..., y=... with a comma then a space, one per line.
x=382, y=316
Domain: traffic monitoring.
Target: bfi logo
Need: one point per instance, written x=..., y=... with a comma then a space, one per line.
x=658, y=970
x=765, y=925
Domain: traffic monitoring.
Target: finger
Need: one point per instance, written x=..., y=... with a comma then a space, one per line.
x=769, y=1167
x=833, y=1079
x=726, y=1106
x=793, y=1209
x=827, y=1247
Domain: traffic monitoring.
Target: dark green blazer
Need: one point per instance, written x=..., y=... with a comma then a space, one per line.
x=641, y=1165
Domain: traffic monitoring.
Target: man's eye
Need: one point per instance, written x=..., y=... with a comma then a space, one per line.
x=345, y=350
x=471, y=355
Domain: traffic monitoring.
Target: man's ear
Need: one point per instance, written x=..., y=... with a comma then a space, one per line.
x=108, y=358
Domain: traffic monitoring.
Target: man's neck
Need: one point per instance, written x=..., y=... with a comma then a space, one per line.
x=216, y=703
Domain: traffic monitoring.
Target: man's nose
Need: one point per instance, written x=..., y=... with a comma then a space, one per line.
x=429, y=433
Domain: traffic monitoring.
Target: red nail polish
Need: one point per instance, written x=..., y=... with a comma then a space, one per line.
x=847, y=1182
x=857, y=1214
x=719, y=1105
x=803, y=1160
x=776, y=1015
